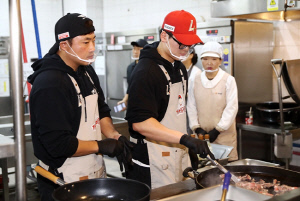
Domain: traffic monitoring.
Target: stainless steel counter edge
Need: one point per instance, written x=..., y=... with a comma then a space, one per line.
x=7, y=147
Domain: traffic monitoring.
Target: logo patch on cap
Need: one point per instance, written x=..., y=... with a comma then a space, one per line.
x=191, y=26
x=169, y=27
x=63, y=35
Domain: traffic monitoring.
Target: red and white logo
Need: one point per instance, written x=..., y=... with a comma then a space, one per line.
x=181, y=108
x=63, y=35
x=97, y=122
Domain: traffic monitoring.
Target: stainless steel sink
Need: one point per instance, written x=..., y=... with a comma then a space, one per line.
x=214, y=194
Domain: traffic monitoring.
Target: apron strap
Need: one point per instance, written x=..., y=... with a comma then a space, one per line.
x=168, y=78
x=77, y=89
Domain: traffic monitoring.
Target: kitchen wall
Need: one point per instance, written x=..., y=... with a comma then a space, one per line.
x=287, y=47
x=123, y=15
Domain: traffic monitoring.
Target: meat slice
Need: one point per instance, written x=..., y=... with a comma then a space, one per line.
x=266, y=188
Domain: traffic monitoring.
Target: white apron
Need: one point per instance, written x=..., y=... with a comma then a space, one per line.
x=92, y=165
x=210, y=105
x=167, y=161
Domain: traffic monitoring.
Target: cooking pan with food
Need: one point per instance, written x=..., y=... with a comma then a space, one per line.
x=212, y=177
x=108, y=189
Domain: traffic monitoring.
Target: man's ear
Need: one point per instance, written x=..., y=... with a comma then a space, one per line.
x=63, y=45
x=163, y=36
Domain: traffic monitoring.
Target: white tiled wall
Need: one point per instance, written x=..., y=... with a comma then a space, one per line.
x=137, y=14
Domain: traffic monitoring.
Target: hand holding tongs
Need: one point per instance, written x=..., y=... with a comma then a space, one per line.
x=233, y=177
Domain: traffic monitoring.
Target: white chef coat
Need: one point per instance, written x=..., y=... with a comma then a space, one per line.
x=231, y=109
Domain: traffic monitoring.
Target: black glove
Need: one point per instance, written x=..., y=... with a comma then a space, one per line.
x=200, y=131
x=213, y=134
x=197, y=146
x=110, y=147
x=125, y=158
x=194, y=159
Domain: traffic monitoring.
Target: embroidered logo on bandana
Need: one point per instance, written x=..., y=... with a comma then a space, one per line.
x=82, y=16
x=181, y=109
x=63, y=35
x=97, y=122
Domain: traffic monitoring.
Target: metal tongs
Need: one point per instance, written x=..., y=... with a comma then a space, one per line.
x=233, y=177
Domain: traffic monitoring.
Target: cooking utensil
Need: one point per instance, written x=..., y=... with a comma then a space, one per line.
x=97, y=189
x=225, y=185
x=233, y=177
x=283, y=142
x=211, y=177
x=221, y=151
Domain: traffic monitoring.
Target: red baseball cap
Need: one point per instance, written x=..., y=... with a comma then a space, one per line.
x=183, y=26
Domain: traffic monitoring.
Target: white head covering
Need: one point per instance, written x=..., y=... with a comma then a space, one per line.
x=212, y=49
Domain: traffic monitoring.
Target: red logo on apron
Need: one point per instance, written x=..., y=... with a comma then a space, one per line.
x=181, y=107
x=95, y=124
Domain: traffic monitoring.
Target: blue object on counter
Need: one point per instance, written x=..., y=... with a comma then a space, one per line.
x=225, y=185
x=226, y=180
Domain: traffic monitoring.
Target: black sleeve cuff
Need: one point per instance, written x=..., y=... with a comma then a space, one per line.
x=73, y=146
x=104, y=114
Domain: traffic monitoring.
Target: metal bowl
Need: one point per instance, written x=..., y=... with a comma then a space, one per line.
x=290, y=74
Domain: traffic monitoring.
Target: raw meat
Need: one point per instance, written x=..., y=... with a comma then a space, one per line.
x=261, y=186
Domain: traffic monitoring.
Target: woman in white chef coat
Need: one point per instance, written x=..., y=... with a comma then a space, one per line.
x=212, y=100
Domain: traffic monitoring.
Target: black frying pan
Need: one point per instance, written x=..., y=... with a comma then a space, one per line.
x=103, y=189
x=211, y=177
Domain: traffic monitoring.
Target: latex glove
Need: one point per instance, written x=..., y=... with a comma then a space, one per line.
x=110, y=147
x=194, y=159
x=213, y=134
x=197, y=146
x=200, y=131
x=125, y=158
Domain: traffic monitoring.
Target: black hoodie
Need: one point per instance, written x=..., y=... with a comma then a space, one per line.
x=147, y=92
x=54, y=111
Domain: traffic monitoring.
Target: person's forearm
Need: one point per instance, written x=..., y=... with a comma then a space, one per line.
x=154, y=130
x=86, y=147
x=108, y=129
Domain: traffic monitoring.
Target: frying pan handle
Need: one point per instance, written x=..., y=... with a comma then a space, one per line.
x=49, y=175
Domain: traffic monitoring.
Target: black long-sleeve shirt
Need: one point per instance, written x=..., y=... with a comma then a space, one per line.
x=54, y=111
x=147, y=94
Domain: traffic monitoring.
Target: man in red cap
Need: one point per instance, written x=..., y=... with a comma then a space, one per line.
x=156, y=111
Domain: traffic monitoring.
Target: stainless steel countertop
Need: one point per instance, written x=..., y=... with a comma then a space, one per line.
x=7, y=148
x=270, y=129
x=189, y=186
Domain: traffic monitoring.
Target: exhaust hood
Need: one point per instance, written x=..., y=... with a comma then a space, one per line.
x=271, y=10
